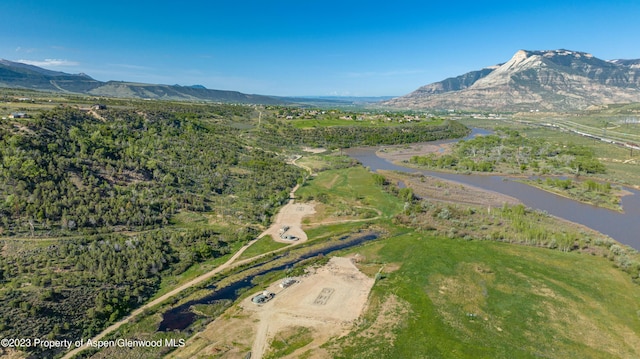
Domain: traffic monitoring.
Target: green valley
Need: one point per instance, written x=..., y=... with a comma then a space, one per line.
x=114, y=216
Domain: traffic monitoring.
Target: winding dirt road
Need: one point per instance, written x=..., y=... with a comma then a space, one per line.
x=290, y=207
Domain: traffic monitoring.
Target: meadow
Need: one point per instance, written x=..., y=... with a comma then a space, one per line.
x=454, y=298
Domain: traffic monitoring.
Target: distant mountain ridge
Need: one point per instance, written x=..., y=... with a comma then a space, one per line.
x=20, y=75
x=553, y=80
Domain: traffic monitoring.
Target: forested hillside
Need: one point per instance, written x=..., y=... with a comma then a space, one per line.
x=88, y=202
x=66, y=170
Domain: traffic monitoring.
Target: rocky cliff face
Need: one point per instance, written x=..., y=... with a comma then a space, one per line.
x=552, y=80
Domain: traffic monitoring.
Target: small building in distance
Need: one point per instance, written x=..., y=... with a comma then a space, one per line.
x=99, y=107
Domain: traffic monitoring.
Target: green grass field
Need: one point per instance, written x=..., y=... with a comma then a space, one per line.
x=350, y=189
x=333, y=122
x=263, y=245
x=623, y=165
x=475, y=299
x=454, y=298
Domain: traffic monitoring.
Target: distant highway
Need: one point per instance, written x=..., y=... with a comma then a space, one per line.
x=626, y=140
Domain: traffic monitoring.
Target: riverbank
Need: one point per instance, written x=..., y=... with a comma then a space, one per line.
x=577, y=191
x=580, y=192
x=452, y=209
x=437, y=189
x=622, y=227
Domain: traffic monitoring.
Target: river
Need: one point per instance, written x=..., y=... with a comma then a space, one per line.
x=623, y=227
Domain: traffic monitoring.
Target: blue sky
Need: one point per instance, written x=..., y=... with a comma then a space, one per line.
x=305, y=47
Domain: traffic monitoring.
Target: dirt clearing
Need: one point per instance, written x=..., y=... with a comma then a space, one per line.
x=324, y=303
x=314, y=150
x=288, y=223
x=327, y=302
x=402, y=153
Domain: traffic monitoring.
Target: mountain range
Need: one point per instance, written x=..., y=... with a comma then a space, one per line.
x=20, y=75
x=553, y=80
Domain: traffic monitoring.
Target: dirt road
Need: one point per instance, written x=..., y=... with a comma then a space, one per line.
x=291, y=215
x=191, y=283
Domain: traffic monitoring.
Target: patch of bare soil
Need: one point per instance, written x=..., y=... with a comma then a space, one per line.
x=229, y=336
x=333, y=182
x=97, y=115
x=405, y=152
x=290, y=218
x=449, y=191
x=76, y=180
x=327, y=302
x=314, y=150
x=392, y=311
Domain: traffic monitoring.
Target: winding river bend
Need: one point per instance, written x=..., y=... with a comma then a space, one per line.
x=623, y=227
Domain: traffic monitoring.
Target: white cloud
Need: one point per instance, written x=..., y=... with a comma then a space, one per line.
x=50, y=63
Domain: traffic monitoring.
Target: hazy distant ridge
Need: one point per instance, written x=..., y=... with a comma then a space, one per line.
x=19, y=75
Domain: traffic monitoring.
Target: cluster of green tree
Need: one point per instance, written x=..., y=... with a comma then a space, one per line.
x=66, y=170
x=508, y=148
x=345, y=136
x=591, y=185
x=559, y=183
x=588, y=185
x=452, y=162
x=589, y=191
x=73, y=288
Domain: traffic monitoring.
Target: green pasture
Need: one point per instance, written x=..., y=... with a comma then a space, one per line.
x=476, y=299
x=348, y=189
x=365, y=122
